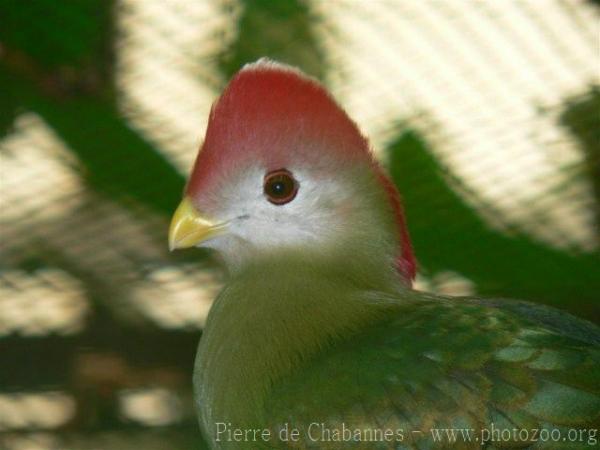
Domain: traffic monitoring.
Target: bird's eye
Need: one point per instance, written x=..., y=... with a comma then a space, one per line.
x=280, y=187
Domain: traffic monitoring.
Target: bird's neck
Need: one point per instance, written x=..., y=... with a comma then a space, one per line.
x=274, y=316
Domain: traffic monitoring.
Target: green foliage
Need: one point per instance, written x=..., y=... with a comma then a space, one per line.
x=282, y=30
x=582, y=118
x=59, y=65
x=70, y=35
x=116, y=160
x=8, y=107
x=448, y=234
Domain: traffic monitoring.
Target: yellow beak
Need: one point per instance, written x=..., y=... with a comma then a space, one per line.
x=188, y=227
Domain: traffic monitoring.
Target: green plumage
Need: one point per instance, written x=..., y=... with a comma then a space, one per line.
x=294, y=341
x=445, y=363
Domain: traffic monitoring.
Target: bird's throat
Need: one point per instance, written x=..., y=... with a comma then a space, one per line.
x=272, y=318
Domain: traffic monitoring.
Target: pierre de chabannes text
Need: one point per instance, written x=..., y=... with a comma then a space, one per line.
x=321, y=432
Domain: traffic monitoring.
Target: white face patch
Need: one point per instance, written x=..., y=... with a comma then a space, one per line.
x=314, y=217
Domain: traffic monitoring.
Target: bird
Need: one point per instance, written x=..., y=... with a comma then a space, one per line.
x=318, y=338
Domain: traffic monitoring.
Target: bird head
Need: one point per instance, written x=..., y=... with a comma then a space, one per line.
x=283, y=168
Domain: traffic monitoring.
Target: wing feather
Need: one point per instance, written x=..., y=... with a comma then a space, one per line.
x=439, y=364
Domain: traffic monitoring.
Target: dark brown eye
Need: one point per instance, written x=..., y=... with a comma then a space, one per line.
x=280, y=187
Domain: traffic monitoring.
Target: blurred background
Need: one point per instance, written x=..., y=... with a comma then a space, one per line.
x=487, y=114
